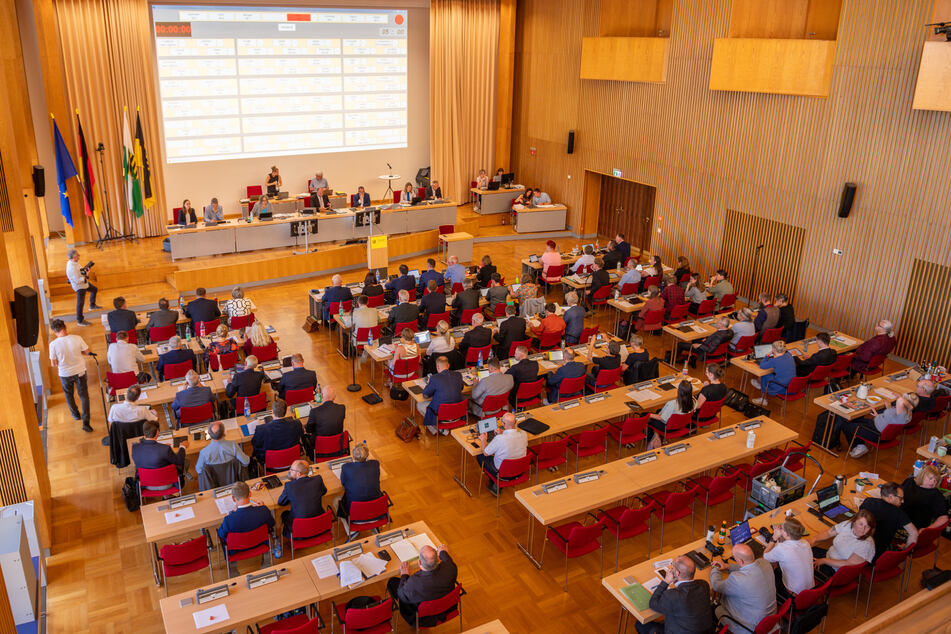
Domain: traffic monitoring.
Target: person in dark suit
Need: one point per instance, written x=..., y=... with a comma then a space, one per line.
x=570, y=370
x=610, y=361
x=320, y=199
x=524, y=371
x=327, y=418
x=723, y=334
x=337, y=292
x=574, y=319
x=622, y=247
x=444, y=386
x=468, y=299
x=360, y=480
x=599, y=277
x=434, y=191
x=303, y=493
x=787, y=317
x=163, y=316
x=248, y=381
x=823, y=356
x=404, y=312
x=511, y=330
x=280, y=433
x=432, y=303
x=298, y=378
x=484, y=276
x=404, y=281
x=429, y=274
x=175, y=354
x=148, y=453
x=435, y=579
x=187, y=215
x=476, y=337
x=613, y=259
x=362, y=198
x=683, y=600
x=121, y=318
x=246, y=517
x=194, y=395
x=202, y=308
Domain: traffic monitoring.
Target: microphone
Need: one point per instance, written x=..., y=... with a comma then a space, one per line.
x=389, y=166
x=92, y=354
x=759, y=247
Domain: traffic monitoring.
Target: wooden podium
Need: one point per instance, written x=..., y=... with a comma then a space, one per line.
x=377, y=252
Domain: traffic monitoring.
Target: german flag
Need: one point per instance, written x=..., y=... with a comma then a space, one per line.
x=91, y=201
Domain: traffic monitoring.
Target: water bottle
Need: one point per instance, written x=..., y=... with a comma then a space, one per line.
x=711, y=533
x=318, y=397
x=188, y=332
x=247, y=408
x=751, y=439
x=933, y=444
x=202, y=328
x=684, y=373
x=370, y=338
x=480, y=364
x=840, y=484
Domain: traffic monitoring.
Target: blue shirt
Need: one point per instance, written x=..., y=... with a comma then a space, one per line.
x=631, y=276
x=456, y=274
x=542, y=199
x=220, y=452
x=784, y=371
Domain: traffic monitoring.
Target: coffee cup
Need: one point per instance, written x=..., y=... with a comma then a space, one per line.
x=942, y=451
x=859, y=487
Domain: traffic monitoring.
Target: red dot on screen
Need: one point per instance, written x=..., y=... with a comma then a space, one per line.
x=399, y=19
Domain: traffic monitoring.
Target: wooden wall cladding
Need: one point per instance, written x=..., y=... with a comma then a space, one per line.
x=635, y=18
x=777, y=157
x=12, y=488
x=794, y=19
x=778, y=66
x=625, y=58
x=924, y=333
x=933, y=88
x=777, y=268
x=626, y=207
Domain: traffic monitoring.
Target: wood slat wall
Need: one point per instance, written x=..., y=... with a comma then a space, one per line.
x=777, y=268
x=777, y=157
x=636, y=201
x=924, y=333
x=12, y=488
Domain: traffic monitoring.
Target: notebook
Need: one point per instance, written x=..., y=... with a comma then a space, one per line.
x=638, y=595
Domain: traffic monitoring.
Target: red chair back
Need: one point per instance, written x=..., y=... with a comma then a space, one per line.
x=527, y=343
x=120, y=381
x=769, y=623
x=874, y=365
x=367, y=619
x=677, y=313
x=308, y=627
x=452, y=415
x=196, y=414
x=375, y=301
x=363, y=335
x=209, y=326
x=819, y=376
x=840, y=368
x=529, y=394
x=334, y=307
x=447, y=229
x=473, y=353
x=601, y=295
x=445, y=608
x=940, y=406
x=421, y=192
x=607, y=379
x=514, y=471
x=398, y=328
x=888, y=564
x=928, y=540
x=247, y=544
x=588, y=332
x=720, y=488
x=718, y=355
x=570, y=388
x=706, y=307
x=550, y=340
x=133, y=336
x=176, y=211
x=728, y=301
x=494, y=404
x=770, y=335
x=254, y=190
x=581, y=537
x=591, y=442
x=434, y=318
x=276, y=460
x=653, y=280
x=678, y=425
x=845, y=579
x=684, y=278
x=330, y=447
x=265, y=353
x=242, y=321
x=499, y=310
x=186, y=557
x=224, y=361
x=162, y=333
x=258, y=403
x=396, y=197
x=553, y=274
x=166, y=477
x=366, y=516
x=743, y=346
x=296, y=397
x=653, y=320
x=709, y=413
x=312, y=531
x=405, y=370
x=632, y=430
x=808, y=598
x=466, y=319
x=628, y=288
x=678, y=504
x=796, y=389
x=176, y=370
x=550, y=453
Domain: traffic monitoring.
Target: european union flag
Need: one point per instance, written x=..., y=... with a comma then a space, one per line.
x=65, y=169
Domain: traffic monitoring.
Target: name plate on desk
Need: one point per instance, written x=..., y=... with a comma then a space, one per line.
x=262, y=579
x=570, y=404
x=750, y=424
x=707, y=320
x=633, y=406
x=642, y=386
x=210, y=594
x=165, y=435
x=594, y=398
x=588, y=476
x=722, y=433
x=551, y=487
x=185, y=500
x=176, y=382
x=339, y=462
x=223, y=492
x=666, y=379
x=644, y=458
x=676, y=449
x=536, y=357
x=689, y=322
x=205, y=377
x=346, y=552
x=521, y=416
x=385, y=539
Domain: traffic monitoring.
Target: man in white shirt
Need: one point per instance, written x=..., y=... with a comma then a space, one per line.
x=80, y=283
x=587, y=259
x=66, y=355
x=129, y=410
x=214, y=212
x=512, y=443
x=540, y=197
x=124, y=356
x=631, y=275
x=792, y=556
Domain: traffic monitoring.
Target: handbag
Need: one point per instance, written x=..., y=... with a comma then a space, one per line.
x=407, y=431
x=736, y=400
x=397, y=393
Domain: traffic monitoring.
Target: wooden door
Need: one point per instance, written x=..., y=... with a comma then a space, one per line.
x=626, y=207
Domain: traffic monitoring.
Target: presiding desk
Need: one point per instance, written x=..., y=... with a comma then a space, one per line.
x=298, y=585
x=498, y=201
x=540, y=218
x=285, y=230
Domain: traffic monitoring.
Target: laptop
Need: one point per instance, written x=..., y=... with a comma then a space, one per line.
x=740, y=534
x=533, y=258
x=762, y=350
x=414, y=273
x=830, y=506
x=286, y=361
x=556, y=355
x=494, y=186
x=282, y=195
x=487, y=425
x=484, y=291
x=422, y=338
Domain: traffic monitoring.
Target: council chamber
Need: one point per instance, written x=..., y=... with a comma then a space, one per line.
x=475, y=315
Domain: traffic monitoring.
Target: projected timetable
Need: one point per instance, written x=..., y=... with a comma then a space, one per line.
x=239, y=82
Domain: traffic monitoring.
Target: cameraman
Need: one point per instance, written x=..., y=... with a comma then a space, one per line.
x=78, y=279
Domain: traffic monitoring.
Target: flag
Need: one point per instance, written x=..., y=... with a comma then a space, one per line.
x=65, y=169
x=127, y=158
x=91, y=199
x=141, y=174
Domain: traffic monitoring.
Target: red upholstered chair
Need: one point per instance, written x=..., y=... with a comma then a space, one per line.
x=457, y=288
x=133, y=336
x=398, y=328
x=590, y=442
x=529, y=394
x=795, y=391
x=296, y=397
x=277, y=460
x=334, y=307
x=808, y=598
x=628, y=289
x=242, y=321
x=499, y=311
x=331, y=447
x=207, y=327
x=396, y=197
x=466, y=319
x=307, y=532
x=240, y=546
x=176, y=370
x=584, y=269
x=364, y=335
x=890, y=564
x=677, y=314
x=375, y=301
x=376, y=619
x=447, y=229
x=706, y=307
x=265, y=353
x=494, y=405
x=196, y=415
x=421, y=192
x=176, y=215
x=512, y=472
x=574, y=539
x=770, y=335
x=404, y=370
x=885, y=439
x=876, y=366
x=653, y=321
x=718, y=356
x=473, y=355
x=224, y=361
x=451, y=416
x=553, y=275
x=254, y=190
x=771, y=622
x=527, y=343
x=624, y=523
x=743, y=346
x=119, y=381
x=161, y=333
x=633, y=429
x=728, y=302
x=708, y=414
x=297, y=624
x=186, y=558
x=715, y=491
x=258, y=403
x=164, y=481
x=845, y=580
x=549, y=341
x=818, y=378
x=550, y=454
x=647, y=282
x=434, y=318
x=607, y=380
x=928, y=543
x=571, y=388
x=366, y=516
x=444, y=609
x=600, y=296
x=940, y=410
x=672, y=506
x=678, y=426
x=684, y=278
x=588, y=332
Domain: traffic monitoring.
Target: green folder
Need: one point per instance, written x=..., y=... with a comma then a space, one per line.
x=638, y=595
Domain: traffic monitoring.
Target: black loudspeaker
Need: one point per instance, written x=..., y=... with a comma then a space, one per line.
x=571, y=141
x=26, y=312
x=39, y=181
x=848, y=197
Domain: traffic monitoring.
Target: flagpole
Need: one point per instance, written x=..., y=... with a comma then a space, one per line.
x=111, y=233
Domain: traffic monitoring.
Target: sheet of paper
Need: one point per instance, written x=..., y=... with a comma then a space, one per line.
x=624, y=304
x=642, y=396
x=211, y=616
x=650, y=585
x=231, y=423
x=885, y=392
x=144, y=396
x=274, y=375
x=663, y=563
x=369, y=564
x=548, y=365
x=225, y=505
x=251, y=427
x=868, y=475
x=405, y=550
x=349, y=574
x=325, y=566
x=421, y=540
x=179, y=515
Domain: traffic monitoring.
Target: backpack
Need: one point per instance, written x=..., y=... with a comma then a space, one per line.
x=130, y=495
x=736, y=400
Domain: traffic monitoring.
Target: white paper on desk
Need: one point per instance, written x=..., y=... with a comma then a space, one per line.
x=225, y=505
x=274, y=375
x=868, y=475
x=405, y=550
x=697, y=328
x=663, y=563
x=547, y=365
x=179, y=515
x=144, y=396
x=882, y=391
x=624, y=304
x=369, y=564
x=349, y=574
x=325, y=566
x=650, y=585
x=422, y=540
x=643, y=395
x=251, y=427
x=386, y=349
x=231, y=423
x=211, y=616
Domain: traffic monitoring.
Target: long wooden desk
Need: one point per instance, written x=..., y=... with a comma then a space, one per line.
x=625, y=478
x=692, y=330
x=644, y=572
x=298, y=585
x=496, y=201
x=842, y=344
x=238, y=235
x=884, y=390
x=542, y=218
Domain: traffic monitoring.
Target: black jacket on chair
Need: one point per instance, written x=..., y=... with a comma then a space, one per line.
x=511, y=330
x=686, y=608
x=245, y=383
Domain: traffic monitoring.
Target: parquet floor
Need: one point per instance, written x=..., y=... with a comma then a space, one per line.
x=99, y=573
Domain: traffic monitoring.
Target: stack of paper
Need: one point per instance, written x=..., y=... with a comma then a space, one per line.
x=408, y=549
x=642, y=396
x=180, y=515
x=325, y=566
x=225, y=505
x=349, y=574
x=369, y=564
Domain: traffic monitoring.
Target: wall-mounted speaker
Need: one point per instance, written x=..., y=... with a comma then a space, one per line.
x=571, y=141
x=848, y=197
x=39, y=181
x=26, y=312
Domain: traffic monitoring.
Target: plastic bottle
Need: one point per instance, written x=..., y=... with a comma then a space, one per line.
x=711, y=533
x=480, y=359
x=751, y=439
x=188, y=333
x=247, y=408
x=318, y=396
x=721, y=538
x=516, y=279
x=202, y=329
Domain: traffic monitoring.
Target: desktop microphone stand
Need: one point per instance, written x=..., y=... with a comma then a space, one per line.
x=753, y=274
x=306, y=250
x=354, y=386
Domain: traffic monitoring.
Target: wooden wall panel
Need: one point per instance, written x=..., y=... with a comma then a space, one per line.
x=635, y=18
x=626, y=207
x=924, y=333
x=785, y=67
x=625, y=58
x=777, y=157
x=777, y=268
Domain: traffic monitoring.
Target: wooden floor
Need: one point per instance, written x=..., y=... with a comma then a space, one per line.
x=99, y=573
